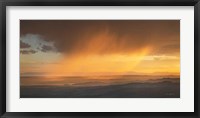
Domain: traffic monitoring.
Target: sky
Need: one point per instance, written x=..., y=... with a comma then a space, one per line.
x=99, y=47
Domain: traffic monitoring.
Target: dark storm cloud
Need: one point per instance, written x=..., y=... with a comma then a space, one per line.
x=24, y=45
x=124, y=35
x=27, y=51
x=46, y=48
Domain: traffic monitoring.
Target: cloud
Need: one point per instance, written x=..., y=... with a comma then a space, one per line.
x=105, y=36
x=46, y=48
x=24, y=45
x=27, y=51
x=36, y=43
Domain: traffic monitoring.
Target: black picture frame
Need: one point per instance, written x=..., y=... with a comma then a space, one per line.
x=5, y=3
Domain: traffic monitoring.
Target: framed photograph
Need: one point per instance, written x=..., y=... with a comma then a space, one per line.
x=84, y=58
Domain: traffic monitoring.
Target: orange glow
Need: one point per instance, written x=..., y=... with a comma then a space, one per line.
x=93, y=59
x=97, y=64
x=108, y=50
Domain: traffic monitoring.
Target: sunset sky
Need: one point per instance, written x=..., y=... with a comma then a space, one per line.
x=99, y=47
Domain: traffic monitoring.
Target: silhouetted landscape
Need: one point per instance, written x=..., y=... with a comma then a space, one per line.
x=99, y=88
